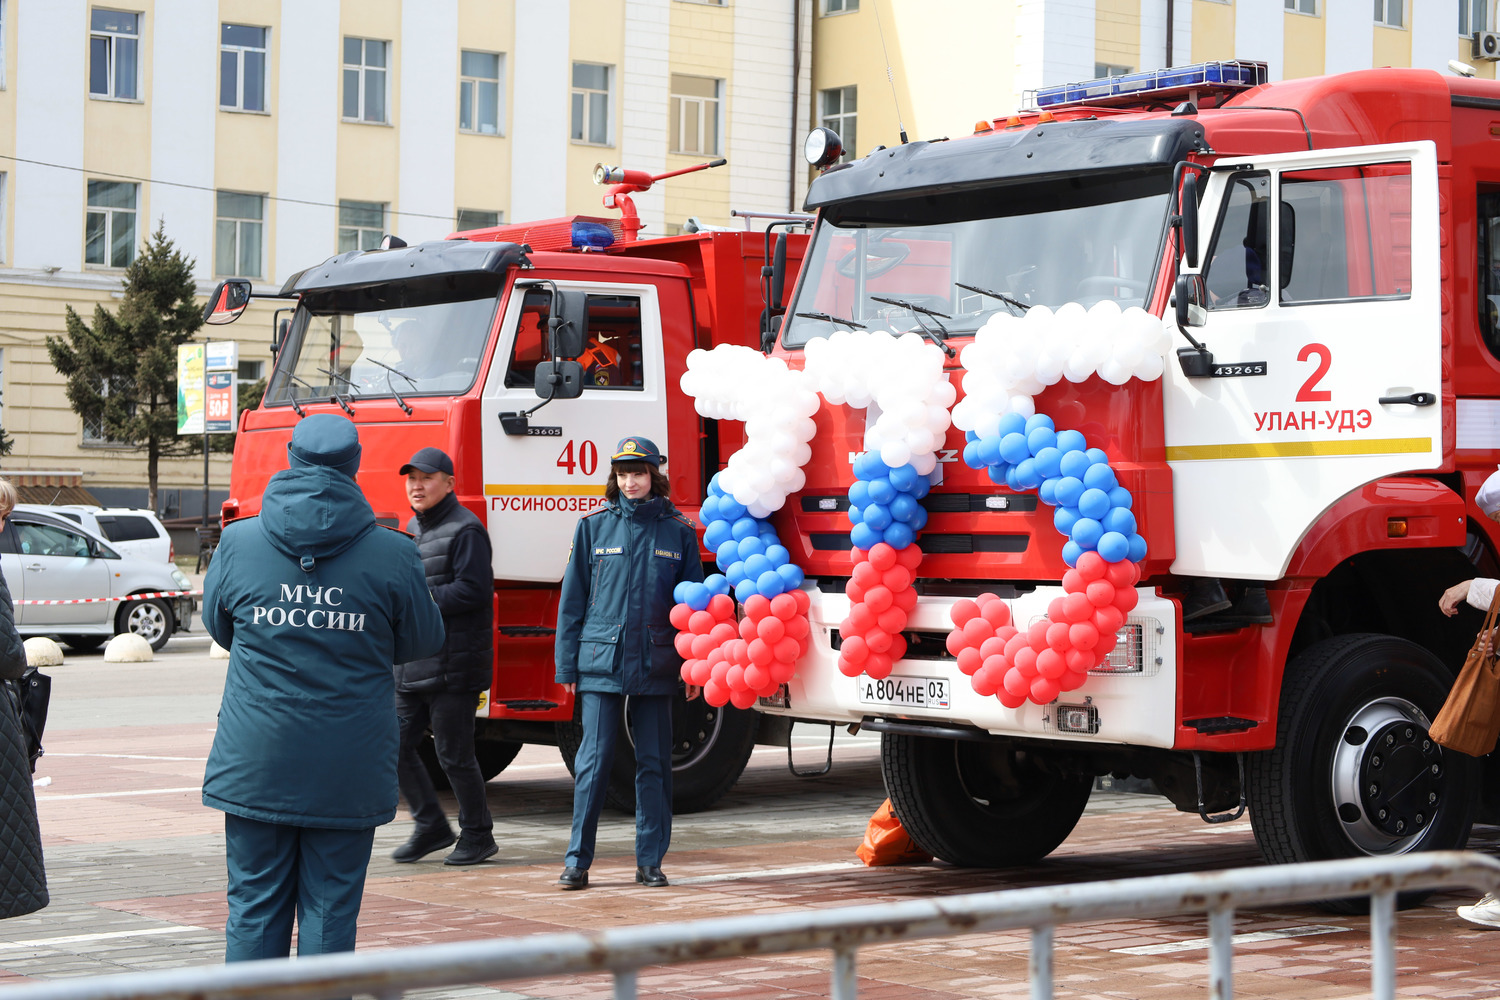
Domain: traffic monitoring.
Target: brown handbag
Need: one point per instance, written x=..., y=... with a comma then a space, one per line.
x=1470, y=719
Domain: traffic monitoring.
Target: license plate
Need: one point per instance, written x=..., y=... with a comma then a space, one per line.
x=904, y=692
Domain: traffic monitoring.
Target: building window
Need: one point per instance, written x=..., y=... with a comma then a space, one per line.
x=1103, y=70
x=839, y=6
x=93, y=427
x=252, y=371
x=109, y=227
x=695, y=114
x=361, y=225
x=1389, y=13
x=1470, y=17
x=479, y=92
x=242, y=67
x=477, y=218
x=838, y=108
x=591, y=103
x=114, y=54
x=239, y=235
x=364, y=80
x=1303, y=6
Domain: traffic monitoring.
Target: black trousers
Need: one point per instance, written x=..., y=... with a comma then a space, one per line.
x=451, y=719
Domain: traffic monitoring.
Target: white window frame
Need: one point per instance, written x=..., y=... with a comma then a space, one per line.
x=111, y=216
x=240, y=222
x=250, y=370
x=1296, y=7
x=838, y=122
x=831, y=8
x=473, y=85
x=93, y=437
x=1467, y=9
x=361, y=72
x=239, y=70
x=361, y=232
x=459, y=225
x=579, y=129
x=683, y=105
x=1383, y=13
x=112, y=40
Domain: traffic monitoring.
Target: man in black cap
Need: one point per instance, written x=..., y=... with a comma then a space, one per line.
x=441, y=692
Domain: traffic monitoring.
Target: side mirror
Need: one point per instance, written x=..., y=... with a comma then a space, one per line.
x=778, y=274
x=1188, y=206
x=228, y=300
x=567, y=328
x=559, y=380
x=1189, y=295
x=281, y=325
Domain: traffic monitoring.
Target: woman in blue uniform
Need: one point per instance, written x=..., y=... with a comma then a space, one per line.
x=614, y=640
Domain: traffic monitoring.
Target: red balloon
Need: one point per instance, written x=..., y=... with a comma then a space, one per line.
x=1025, y=661
x=721, y=606
x=1072, y=680
x=1083, y=635
x=1126, y=598
x=898, y=647
x=1077, y=607
x=1014, y=645
x=1108, y=620
x=1107, y=644
x=878, y=641
x=782, y=672
x=716, y=694
x=906, y=599
x=882, y=556
x=854, y=592
x=701, y=622
x=701, y=645
x=1050, y=663
x=910, y=557
x=1057, y=608
x=969, y=660
x=720, y=671
x=854, y=649
x=686, y=671
x=803, y=599
x=761, y=653
x=679, y=616
x=772, y=629
x=861, y=617
x=892, y=619
x=878, y=598
x=996, y=612
x=956, y=642
x=976, y=630
x=1043, y=690
x=985, y=598
x=734, y=677
x=684, y=644
x=788, y=650
x=717, y=654
x=865, y=575
x=723, y=632
x=1006, y=631
x=1010, y=700
x=784, y=606
x=850, y=669
x=1057, y=635
x=1080, y=660
x=701, y=674
x=1100, y=593
x=1037, y=634
x=737, y=650
x=742, y=698
x=997, y=665
x=993, y=646
x=878, y=665
x=1073, y=582
x=896, y=578
x=758, y=606
x=747, y=629
x=985, y=683
x=1016, y=683
x=1123, y=573
x=858, y=555
x=1091, y=566
x=961, y=611
x=798, y=628
x=756, y=677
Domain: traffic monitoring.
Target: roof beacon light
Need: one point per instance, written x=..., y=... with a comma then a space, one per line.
x=1224, y=77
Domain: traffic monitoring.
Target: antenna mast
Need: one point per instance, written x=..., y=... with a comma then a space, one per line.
x=889, y=75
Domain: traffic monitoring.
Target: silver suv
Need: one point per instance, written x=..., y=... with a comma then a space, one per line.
x=131, y=530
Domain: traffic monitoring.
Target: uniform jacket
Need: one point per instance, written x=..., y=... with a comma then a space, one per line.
x=23, y=882
x=314, y=602
x=455, y=551
x=613, y=635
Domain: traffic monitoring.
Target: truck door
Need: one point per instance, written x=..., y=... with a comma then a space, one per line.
x=1323, y=315
x=539, y=484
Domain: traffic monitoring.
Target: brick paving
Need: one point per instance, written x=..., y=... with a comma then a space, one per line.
x=135, y=864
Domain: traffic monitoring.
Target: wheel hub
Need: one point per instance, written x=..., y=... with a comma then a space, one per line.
x=1388, y=777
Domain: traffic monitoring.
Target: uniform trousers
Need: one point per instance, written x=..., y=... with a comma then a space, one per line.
x=651, y=731
x=277, y=871
x=451, y=718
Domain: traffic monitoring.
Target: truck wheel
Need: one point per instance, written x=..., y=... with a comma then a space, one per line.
x=1353, y=771
x=494, y=756
x=980, y=805
x=151, y=620
x=710, y=748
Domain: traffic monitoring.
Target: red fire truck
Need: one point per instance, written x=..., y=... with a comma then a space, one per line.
x=525, y=352
x=1303, y=471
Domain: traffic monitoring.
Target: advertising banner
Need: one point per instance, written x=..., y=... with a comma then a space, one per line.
x=190, y=388
x=221, y=402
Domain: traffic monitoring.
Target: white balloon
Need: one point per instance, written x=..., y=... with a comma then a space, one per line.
x=895, y=453
x=924, y=464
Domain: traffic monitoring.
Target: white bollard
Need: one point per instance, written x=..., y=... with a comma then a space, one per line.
x=127, y=647
x=217, y=652
x=43, y=652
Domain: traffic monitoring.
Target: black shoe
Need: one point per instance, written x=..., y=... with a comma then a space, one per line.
x=574, y=878
x=651, y=876
x=422, y=843
x=1253, y=608
x=471, y=852
x=1203, y=596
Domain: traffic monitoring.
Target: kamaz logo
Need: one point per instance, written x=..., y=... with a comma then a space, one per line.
x=943, y=455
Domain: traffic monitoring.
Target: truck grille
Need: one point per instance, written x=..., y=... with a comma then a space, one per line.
x=934, y=543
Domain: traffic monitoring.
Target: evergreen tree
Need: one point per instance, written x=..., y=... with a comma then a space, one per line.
x=122, y=370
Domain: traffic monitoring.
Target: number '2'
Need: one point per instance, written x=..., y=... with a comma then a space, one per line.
x=1309, y=394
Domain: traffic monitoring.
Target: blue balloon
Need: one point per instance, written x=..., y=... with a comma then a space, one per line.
x=1064, y=518
x=745, y=527
x=899, y=536
x=1027, y=474
x=864, y=537
x=1074, y=463
x=1071, y=440
x=770, y=583
x=717, y=583
x=1093, y=504
x=1048, y=491
x=919, y=521
x=717, y=534
x=997, y=473
x=1137, y=548
x=1120, y=497
x=714, y=489
x=1049, y=462
x=904, y=507
x=751, y=547
x=710, y=509
x=735, y=573
x=1086, y=532
x=680, y=592
x=1013, y=448
x=1012, y=481
x=727, y=553
x=778, y=555
x=698, y=597
x=1113, y=546
x=1120, y=519
x=1039, y=438
x=881, y=491
x=856, y=514
x=971, y=455
x=745, y=590
x=1069, y=489
x=1100, y=477
x=1039, y=420
x=791, y=576
x=859, y=493
x=731, y=509
x=877, y=516
x=1096, y=455
x=920, y=488
x=904, y=477
x=874, y=467
x=971, y=435
x=1012, y=423
x=1071, y=552
x=756, y=565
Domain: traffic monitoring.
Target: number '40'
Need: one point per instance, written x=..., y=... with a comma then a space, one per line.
x=579, y=457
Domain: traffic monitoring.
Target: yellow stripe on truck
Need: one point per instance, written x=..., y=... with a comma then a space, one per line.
x=1298, y=449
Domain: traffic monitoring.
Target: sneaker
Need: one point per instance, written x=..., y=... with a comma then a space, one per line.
x=471, y=852
x=1485, y=913
x=422, y=843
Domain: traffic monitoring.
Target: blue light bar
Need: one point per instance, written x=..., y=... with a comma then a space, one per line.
x=1133, y=87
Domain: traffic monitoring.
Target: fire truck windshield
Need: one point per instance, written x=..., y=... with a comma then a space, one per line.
x=1069, y=243
x=408, y=351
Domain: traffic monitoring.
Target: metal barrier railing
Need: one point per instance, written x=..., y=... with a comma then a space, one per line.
x=389, y=974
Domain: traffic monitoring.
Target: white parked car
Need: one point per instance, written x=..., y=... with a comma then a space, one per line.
x=130, y=530
x=47, y=557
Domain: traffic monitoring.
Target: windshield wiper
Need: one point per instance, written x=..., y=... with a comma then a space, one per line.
x=342, y=378
x=333, y=397
x=940, y=339
x=833, y=319
x=405, y=406
x=1012, y=302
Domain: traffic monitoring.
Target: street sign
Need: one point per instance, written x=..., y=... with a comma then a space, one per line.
x=223, y=356
x=221, y=402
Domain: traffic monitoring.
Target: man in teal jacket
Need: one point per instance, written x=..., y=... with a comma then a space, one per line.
x=314, y=602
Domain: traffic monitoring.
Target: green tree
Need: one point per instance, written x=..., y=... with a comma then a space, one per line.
x=122, y=370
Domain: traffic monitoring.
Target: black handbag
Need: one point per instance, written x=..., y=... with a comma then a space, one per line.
x=30, y=694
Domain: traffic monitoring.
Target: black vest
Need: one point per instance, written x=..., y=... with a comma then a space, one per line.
x=465, y=663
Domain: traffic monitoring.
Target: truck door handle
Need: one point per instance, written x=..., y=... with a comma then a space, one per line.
x=1415, y=399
